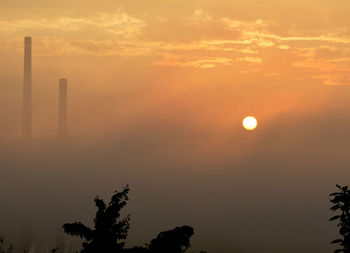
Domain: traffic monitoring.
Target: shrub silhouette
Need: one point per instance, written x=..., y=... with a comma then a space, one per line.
x=110, y=232
x=3, y=248
x=172, y=241
x=341, y=202
x=176, y=240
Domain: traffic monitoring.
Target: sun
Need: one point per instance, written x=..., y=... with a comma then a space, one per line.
x=250, y=123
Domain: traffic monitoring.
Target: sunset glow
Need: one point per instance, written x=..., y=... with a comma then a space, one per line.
x=138, y=51
x=229, y=116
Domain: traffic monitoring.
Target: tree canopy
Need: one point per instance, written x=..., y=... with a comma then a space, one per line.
x=341, y=204
x=111, y=231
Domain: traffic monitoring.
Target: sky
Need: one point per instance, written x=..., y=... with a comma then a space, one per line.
x=157, y=93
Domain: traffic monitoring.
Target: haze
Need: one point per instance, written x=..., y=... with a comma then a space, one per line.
x=157, y=91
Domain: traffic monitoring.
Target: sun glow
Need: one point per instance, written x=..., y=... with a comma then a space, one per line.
x=250, y=123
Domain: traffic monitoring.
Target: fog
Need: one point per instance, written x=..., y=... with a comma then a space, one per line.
x=157, y=92
x=263, y=191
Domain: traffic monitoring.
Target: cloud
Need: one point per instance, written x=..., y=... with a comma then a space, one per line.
x=250, y=59
x=118, y=24
x=327, y=63
x=188, y=61
x=334, y=78
x=284, y=47
x=199, y=17
x=206, y=41
x=245, y=26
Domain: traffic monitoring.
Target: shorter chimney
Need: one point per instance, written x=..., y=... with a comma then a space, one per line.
x=62, y=110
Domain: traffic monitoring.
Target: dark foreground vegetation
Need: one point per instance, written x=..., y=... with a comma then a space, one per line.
x=110, y=230
x=341, y=205
x=4, y=248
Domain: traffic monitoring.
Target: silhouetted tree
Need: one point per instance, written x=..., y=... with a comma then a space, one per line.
x=110, y=232
x=176, y=240
x=56, y=250
x=341, y=202
x=3, y=248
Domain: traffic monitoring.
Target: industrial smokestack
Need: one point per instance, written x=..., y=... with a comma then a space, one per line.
x=27, y=89
x=62, y=110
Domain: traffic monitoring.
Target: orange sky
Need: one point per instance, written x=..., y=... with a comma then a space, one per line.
x=222, y=59
x=164, y=85
x=199, y=65
x=210, y=61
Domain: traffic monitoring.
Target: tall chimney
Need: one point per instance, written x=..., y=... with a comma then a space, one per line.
x=27, y=89
x=62, y=110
